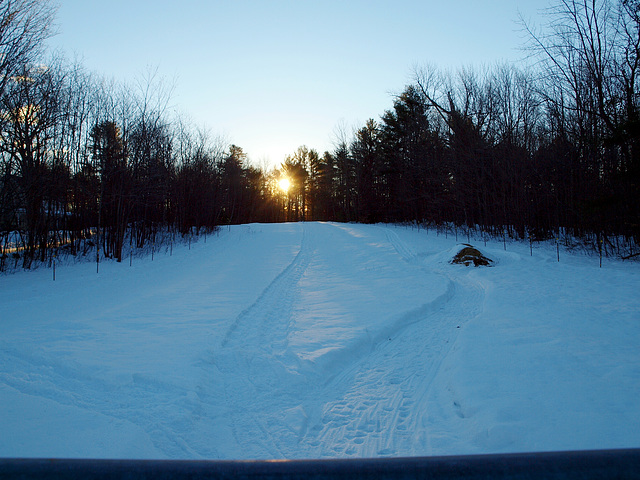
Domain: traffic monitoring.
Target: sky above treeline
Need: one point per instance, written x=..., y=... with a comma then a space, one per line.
x=272, y=75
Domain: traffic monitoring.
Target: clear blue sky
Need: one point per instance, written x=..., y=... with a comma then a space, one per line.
x=272, y=75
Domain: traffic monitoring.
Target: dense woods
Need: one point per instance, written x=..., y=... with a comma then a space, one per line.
x=546, y=150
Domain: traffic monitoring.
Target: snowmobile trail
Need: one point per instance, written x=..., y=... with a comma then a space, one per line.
x=386, y=410
x=255, y=367
x=293, y=381
x=270, y=314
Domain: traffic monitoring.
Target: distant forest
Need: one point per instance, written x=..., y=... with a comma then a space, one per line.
x=546, y=149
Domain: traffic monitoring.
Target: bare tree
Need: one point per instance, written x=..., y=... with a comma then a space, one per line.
x=24, y=25
x=31, y=113
x=590, y=54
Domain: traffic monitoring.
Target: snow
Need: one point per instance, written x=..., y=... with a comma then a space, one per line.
x=314, y=340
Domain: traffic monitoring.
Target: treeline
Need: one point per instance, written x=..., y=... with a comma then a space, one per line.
x=532, y=151
x=90, y=165
x=86, y=164
x=95, y=166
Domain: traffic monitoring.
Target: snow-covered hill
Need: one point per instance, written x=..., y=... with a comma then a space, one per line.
x=314, y=340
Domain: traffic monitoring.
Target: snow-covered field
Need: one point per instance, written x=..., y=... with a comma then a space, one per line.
x=312, y=340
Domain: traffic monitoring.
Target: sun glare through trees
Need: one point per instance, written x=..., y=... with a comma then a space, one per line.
x=284, y=184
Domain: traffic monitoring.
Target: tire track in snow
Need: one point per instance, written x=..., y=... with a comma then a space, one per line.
x=386, y=410
x=267, y=308
x=260, y=381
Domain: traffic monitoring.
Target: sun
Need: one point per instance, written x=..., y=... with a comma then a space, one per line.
x=284, y=183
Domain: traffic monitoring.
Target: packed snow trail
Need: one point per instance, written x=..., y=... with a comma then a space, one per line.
x=290, y=389
x=320, y=340
x=253, y=365
x=386, y=411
